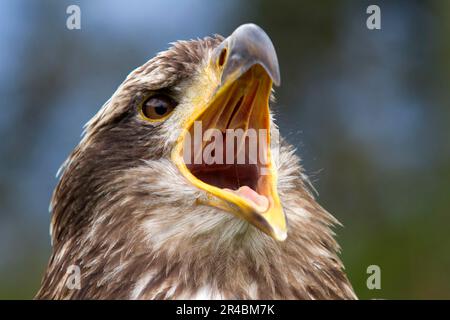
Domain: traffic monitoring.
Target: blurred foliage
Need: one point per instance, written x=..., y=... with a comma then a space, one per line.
x=368, y=110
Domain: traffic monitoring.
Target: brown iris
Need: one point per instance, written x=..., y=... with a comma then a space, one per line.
x=158, y=107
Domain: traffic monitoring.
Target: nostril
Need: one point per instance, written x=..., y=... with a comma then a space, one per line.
x=222, y=57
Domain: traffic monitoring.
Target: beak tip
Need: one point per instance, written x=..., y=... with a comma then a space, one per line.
x=249, y=45
x=279, y=235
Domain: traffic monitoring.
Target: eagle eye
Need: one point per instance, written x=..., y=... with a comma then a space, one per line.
x=157, y=107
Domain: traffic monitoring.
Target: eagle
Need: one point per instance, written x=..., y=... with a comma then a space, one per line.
x=141, y=220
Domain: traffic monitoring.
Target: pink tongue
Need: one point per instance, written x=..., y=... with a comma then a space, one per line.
x=251, y=195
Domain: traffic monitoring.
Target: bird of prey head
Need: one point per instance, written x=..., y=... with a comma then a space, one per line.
x=144, y=215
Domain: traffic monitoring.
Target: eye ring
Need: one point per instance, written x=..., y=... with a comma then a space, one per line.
x=157, y=108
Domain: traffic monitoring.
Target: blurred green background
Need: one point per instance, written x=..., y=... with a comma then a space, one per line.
x=368, y=110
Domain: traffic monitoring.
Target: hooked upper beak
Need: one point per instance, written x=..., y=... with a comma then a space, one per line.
x=246, y=64
x=247, y=46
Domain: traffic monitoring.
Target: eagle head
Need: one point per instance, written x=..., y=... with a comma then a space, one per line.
x=182, y=188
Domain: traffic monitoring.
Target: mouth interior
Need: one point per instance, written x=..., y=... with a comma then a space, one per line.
x=231, y=152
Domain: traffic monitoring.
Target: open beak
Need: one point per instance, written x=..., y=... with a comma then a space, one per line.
x=225, y=147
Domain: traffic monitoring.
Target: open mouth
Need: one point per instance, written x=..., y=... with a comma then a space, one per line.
x=226, y=152
x=234, y=152
x=225, y=147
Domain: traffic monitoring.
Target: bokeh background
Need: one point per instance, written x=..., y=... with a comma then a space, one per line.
x=368, y=110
